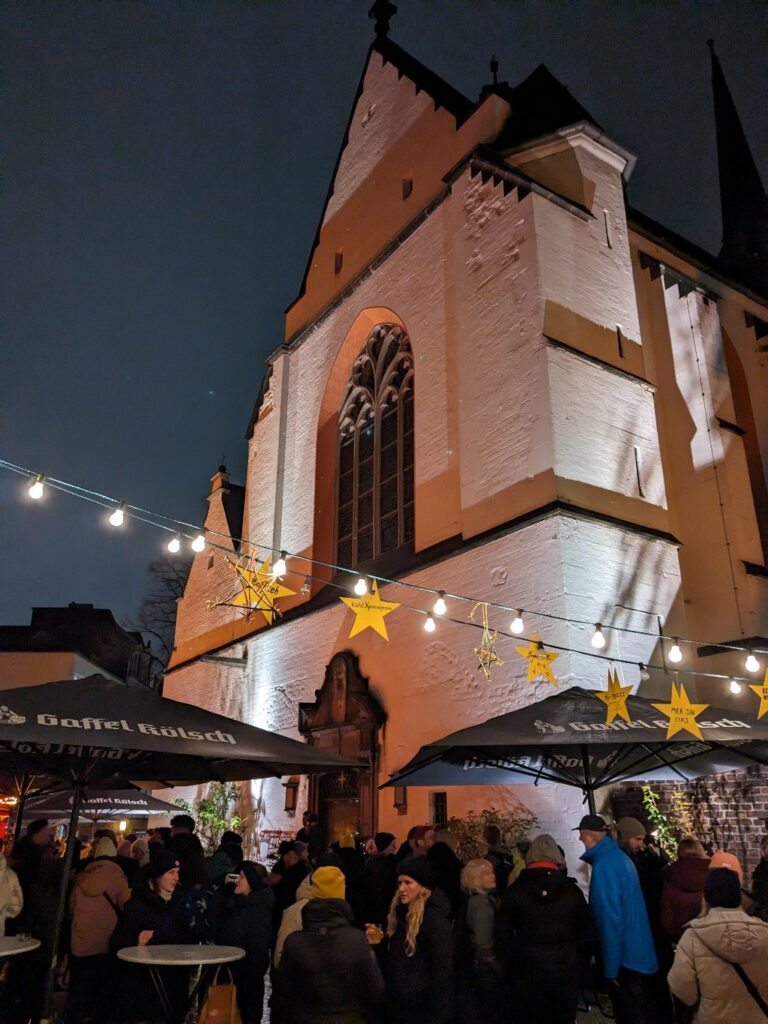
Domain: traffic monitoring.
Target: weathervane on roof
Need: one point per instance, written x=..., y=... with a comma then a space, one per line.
x=495, y=70
x=382, y=12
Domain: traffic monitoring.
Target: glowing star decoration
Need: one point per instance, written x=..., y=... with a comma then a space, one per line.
x=369, y=611
x=486, y=652
x=761, y=689
x=614, y=698
x=681, y=713
x=261, y=590
x=539, y=660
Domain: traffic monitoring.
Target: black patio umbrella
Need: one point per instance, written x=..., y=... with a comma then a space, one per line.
x=564, y=738
x=99, y=805
x=98, y=733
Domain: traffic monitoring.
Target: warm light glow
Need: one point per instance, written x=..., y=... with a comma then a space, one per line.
x=37, y=487
x=752, y=664
x=429, y=624
x=361, y=587
x=675, y=654
x=174, y=544
x=440, y=607
x=198, y=544
x=123, y=826
x=598, y=637
x=734, y=686
x=518, y=626
x=118, y=516
x=280, y=567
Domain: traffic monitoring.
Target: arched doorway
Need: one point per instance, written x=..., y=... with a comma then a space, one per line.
x=345, y=718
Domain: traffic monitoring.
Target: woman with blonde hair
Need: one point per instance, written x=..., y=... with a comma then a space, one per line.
x=478, y=974
x=419, y=964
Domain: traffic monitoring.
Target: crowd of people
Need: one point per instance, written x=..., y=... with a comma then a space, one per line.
x=376, y=933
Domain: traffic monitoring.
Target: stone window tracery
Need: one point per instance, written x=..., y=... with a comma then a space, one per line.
x=375, y=450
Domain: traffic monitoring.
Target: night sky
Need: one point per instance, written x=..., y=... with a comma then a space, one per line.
x=164, y=168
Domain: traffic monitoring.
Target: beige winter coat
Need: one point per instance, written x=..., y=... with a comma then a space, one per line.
x=291, y=921
x=11, y=899
x=93, y=914
x=703, y=969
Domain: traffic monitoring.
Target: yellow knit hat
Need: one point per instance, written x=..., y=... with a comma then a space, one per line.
x=328, y=884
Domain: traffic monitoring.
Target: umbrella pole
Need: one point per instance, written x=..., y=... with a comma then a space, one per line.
x=45, y=1015
x=588, y=789
x=20, y=807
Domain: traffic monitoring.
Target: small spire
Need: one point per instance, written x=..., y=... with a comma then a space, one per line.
x=382, y=13
x=495, y=70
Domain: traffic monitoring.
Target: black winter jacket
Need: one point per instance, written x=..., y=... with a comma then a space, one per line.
x=420, y=987
x=246, y=921
x=328, y=973
x=378, y=887
x=146, y=911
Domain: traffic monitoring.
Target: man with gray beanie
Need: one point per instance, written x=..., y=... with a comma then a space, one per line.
x=545, y=933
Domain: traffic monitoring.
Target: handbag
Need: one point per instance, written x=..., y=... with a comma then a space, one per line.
x=750, y=986
x=220, y=1003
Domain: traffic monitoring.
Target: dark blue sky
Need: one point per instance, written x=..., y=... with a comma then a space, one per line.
x=165, y=165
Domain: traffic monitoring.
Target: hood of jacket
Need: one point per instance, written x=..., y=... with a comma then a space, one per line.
x=731, y=934
x=326, y=915
x=542, y=885
x=687, y=874
x=97, y=876
x=305, y=891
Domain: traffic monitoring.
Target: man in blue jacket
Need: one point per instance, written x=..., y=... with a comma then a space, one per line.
x=626, y=944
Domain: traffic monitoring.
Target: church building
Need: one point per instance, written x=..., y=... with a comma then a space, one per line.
x=500, y=381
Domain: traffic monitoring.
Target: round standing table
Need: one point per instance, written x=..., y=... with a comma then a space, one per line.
x=154, y=957
x=12, y=945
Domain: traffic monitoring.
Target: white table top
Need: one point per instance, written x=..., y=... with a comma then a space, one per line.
x=11, y=945
x=180, y=956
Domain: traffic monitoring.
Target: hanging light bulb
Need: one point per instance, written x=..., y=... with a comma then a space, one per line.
x=361, y=587
x=429, y=623
x=174, y=544
x=306, y=586
x=598, y=637
x=645, y=675
x=734, y=686
x=198, y=544
x=118, y=516
x=675, y=654
x=280, y=567
x=439, y=607
x=518, y=626
x=752, y=664
x=37, y=487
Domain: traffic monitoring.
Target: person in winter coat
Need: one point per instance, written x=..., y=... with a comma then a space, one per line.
x=760, y=882
x=379, y=881
x=721, y=859
x=326, y=882
x=501, y=858
x=154, y=915
x=226, y=858
x=287, y=875
x=327, y=973
x=419, y=964
x=11, y=896
x=720, y=956
x=683, y=888
x=446, y=871
x=478, y=975
x=244, y=919
x=545, y=934
x=98, y=896
x=626, y=943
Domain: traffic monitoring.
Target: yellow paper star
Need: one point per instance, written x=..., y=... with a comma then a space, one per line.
x=539, y=660
x=761, y=689
x=614, y=698
x=261, y=590
x=370, y=611
x=681, y=713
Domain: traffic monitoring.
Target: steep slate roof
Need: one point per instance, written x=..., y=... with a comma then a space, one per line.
x=233, y=502
x=540, y=105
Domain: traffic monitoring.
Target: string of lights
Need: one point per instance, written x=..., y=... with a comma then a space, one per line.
x=199, y=538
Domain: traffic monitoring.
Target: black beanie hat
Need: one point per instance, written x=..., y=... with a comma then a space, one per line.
x=161, y=861
x=383, y=840
x=722, y=889
x=252, y=875
x=417, y=868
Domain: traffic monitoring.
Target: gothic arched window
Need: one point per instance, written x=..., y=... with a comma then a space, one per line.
x=375, y=436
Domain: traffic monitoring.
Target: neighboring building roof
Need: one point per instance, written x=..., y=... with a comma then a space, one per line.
x=233, y=501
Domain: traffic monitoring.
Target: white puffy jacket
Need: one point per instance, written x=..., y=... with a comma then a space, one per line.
x=11, y=898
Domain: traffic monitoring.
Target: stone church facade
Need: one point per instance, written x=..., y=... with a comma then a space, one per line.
x=500, y=381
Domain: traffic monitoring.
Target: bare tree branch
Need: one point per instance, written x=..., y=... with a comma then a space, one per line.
x=156, y=618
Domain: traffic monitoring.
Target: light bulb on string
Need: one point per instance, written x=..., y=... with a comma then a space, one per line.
x=429, y=623
x=306, y=586
x=439, y=607
x=752, y=664
x=174, y=544
x=37, y=487
x=198, y=544
x=645, y=675
x=518, y=626
x=675, y=654
x=280, y=568
x=598, y=637
x=361, y=587
x=734, y=686
x=118, y=516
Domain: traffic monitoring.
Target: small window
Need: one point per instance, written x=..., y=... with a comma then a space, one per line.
x=401, y=799
x=338, y=261
x=407, y=187
x=439, y=809
x=210, y=561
